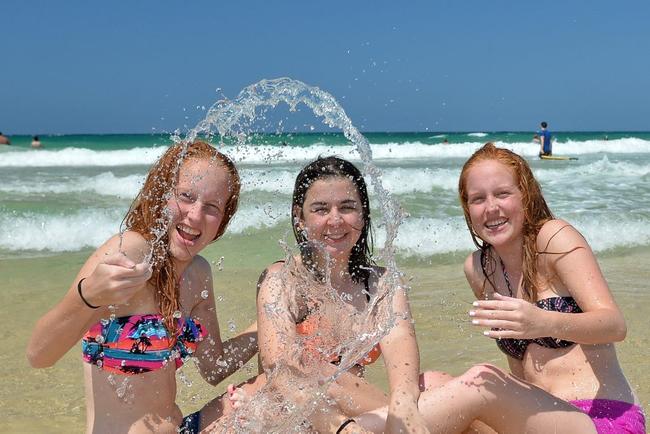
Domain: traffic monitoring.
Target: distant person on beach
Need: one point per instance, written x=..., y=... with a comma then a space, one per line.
x=543, y=299
x=143, y=303
x=36, y=143
x=4, y=140
x=545, y=140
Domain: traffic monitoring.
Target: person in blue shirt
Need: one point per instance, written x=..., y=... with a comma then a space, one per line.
x=545, y=145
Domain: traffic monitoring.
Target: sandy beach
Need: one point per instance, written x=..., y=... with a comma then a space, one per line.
x=52, y=400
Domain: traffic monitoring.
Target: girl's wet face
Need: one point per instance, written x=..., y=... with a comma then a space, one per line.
x=495, y=203
x=332, y=215
x=197, y=207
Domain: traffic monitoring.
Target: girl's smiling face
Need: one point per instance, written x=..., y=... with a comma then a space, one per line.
x=332, y=216
x=197, y=207
x=495, y=203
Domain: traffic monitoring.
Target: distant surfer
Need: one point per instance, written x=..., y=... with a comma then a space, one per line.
x=544, y=137
x=4, y=140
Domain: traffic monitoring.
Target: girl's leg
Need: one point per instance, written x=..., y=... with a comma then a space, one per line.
x=375, y=420
x=354, y=395
x=502, y=402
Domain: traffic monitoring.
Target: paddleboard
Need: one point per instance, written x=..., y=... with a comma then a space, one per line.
x=556, y=157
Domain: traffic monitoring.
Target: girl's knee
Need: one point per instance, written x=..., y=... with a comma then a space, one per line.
x=484, y=372
x=431, y=379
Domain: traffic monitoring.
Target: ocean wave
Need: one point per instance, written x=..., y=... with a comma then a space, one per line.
x=80, y=157
x=106, y=184
x=278, y=180
x=601, y=168
x=425, y=237
x=418, y=237
x=266, y=154
x=91, y=227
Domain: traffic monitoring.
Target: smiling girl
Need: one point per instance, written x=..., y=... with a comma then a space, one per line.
x=314, y=309
x=143, y=302
x=543, y=298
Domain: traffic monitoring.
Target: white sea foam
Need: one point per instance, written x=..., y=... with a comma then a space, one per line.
x=81, y=157
x=613, y=232
x=601, y=168
x=275, y=155
x=477, y=134
x=421, y=180
x=106, y=184
x=58, y=233
x=424, y=237
x=398, y=181
x=91, y=227
x=419, y=237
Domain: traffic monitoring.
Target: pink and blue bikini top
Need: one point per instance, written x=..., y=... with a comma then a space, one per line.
x=517, y=347
x=136, y=344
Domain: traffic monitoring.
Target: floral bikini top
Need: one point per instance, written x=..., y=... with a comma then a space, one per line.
x=136, y=344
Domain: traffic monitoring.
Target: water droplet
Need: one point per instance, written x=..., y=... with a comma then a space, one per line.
x=204, y=294
x=177, y=314
x=99, y=339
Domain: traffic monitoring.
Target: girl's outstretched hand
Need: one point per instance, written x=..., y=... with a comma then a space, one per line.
x=237, y=397
x=508, y=317
x=115, y=280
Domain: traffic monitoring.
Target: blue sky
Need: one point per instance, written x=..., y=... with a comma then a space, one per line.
x=142, y=66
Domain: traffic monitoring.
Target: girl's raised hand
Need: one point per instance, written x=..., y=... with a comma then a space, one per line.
x=508, y=317
x=115, y=280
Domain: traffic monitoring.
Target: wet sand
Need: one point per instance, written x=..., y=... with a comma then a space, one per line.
x=52, y=400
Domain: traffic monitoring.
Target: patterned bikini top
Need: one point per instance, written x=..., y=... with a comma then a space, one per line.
x=136, y=344
x=517, y=347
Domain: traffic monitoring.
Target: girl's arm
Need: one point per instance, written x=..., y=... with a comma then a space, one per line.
x=217, y=360
x=276, y=325
x=112, y=275
x=402, y=360
x=569, y=262
x=577, y=269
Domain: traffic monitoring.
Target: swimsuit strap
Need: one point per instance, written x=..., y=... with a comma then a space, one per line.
x=506, y=277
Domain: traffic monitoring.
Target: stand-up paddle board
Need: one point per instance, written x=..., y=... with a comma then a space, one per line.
x=556, y=157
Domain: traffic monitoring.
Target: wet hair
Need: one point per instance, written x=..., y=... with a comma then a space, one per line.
x=35, y=138
x=334, y=167
x=148, y=216
x=536, y=213
x=544, y=124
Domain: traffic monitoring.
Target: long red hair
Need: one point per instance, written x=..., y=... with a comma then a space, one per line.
x=148, y=217
x=536, y=213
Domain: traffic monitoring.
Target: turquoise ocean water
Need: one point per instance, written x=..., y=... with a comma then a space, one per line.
x=72, y=194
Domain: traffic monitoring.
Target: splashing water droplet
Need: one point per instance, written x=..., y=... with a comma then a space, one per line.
x=204, y=294
x=177, y=314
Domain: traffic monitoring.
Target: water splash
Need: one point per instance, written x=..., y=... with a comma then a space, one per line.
x=232, y=121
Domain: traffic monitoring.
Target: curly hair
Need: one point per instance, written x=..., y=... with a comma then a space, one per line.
x=536, y=213
x=148, y=217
